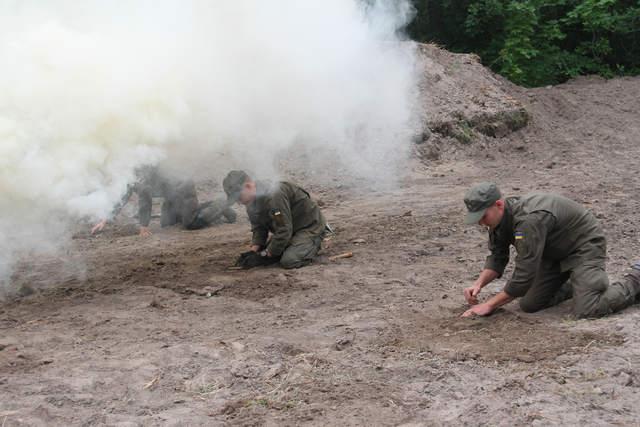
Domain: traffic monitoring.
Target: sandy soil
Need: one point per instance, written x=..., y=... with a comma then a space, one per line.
x=129, y=331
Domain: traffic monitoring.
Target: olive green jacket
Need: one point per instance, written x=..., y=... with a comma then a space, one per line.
x=151, y=183
x=545, y=226
x=283, y=209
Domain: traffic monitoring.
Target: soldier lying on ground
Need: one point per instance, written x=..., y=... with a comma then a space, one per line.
x=561, y=253
x=285, y=210
x=180, y=204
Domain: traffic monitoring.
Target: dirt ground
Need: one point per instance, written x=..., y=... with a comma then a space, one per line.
x=128, y=331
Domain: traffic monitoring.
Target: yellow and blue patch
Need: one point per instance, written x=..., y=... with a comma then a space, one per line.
x=277, y=216
x=519, y=235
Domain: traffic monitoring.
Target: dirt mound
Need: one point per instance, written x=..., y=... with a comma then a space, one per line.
x=463, y=99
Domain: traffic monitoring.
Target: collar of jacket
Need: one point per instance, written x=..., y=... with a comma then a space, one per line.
x=263, y=195
x=506, y=223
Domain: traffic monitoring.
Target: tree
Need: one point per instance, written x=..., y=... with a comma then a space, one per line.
x=536, y=42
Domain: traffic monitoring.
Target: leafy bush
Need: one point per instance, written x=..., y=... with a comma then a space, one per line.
x=536, y=42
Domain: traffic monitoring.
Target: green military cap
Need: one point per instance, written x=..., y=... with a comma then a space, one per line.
x=478, y=199
x=233, y=184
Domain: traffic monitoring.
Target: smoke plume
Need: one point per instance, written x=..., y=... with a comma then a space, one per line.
x=90, y=90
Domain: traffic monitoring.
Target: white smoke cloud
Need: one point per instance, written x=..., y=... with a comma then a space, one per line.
x=90, y=90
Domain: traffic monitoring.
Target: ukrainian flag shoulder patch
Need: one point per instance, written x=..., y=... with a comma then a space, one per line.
x=519, y=235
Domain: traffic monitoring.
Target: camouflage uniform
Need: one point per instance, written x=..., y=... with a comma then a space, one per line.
x=180, y=204
x=295, y=220
x=561, y=252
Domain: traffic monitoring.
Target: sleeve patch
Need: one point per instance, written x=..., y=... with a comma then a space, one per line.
x=277, y=216
x=519, y=235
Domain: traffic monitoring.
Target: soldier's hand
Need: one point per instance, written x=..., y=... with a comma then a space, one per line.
x=242, y=259
x=99, y=226
x=249, y=260
x=478, y=310
x=254, y=259
x=255, y=248
x=471, y=294
x=145, y=232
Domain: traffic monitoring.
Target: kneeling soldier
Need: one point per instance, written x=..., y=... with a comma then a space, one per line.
x=285, y=210
x=561, y=254
x=180, y=204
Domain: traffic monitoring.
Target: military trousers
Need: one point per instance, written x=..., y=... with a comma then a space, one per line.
x=588, y=284
x=302, y=249
x=180, y=206
x=210, y=213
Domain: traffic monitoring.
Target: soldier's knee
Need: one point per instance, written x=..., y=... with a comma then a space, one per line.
x=290, y=262
x=300, y=254
x=288, y=265
x=529, y=306
x=291, y=259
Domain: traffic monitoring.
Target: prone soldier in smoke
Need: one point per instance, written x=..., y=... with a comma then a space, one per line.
x=180, y=204
x=283, y=209
x=561, y=253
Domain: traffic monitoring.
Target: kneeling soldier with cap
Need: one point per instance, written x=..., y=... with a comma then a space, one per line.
x=561, y=253
x=285, y=210
x=180, y=204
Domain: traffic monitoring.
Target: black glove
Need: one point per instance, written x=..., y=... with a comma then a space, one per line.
x=254, y=259
x=241, y=261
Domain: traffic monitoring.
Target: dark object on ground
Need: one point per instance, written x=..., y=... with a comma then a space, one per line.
x=252, y=259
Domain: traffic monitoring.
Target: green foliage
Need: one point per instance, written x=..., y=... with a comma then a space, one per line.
x=536, y=42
